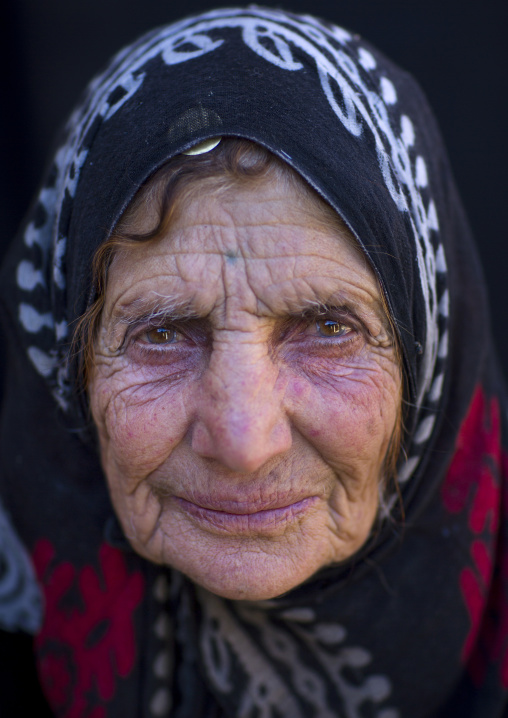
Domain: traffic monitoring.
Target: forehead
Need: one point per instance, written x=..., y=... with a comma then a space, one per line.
x=264, y=238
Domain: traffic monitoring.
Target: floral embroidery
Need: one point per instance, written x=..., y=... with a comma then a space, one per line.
x=87, y=638
x=473, y=482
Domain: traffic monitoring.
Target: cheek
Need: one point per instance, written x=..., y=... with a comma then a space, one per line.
x=138, y=424
x=349, y=416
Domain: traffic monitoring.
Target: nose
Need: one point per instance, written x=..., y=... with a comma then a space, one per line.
x=241, y=421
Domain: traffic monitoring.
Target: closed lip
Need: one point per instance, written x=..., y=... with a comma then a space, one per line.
x=246, y=518
x=246, y=507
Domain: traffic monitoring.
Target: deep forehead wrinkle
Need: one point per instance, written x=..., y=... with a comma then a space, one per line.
x=221, y=241
x=198, y=279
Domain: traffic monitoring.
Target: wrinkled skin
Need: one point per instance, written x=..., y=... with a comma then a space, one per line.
x=245, y=390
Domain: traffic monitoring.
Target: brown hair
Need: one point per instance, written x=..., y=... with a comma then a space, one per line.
x=233, y=162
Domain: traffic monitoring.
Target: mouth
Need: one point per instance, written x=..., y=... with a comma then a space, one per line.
x=230, y=517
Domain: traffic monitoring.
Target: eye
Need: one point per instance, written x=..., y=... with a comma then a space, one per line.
x=331, y=328
x=162, y=335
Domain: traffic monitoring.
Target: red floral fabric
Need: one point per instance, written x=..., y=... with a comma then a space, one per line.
x=474, y=484
x=87, y=640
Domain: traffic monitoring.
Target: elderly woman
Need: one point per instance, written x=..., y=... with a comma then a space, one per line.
x=252, y=430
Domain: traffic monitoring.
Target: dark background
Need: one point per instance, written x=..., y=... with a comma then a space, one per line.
x=49, y=49
x=456, y=49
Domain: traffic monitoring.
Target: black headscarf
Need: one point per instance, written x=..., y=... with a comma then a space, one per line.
x=416, y=624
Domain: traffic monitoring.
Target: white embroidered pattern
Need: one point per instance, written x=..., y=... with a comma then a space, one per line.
x=20, y=597
x=268, y=692
x=161, y=701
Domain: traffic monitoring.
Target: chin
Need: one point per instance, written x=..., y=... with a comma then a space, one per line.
x=245, y=584
x=243, y=572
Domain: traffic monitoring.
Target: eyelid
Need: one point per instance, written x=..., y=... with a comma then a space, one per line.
x=189, y=328
x=339, y=323
x=169, y=325
x=134, y=328
x=313, y=333
x=292, y=326
x=341, y=315
x=296, y=328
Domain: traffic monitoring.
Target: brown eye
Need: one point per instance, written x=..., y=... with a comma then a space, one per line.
x=331, y=328
x=161, y=335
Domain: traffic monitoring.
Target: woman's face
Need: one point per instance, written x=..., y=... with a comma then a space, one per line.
x=245, y=391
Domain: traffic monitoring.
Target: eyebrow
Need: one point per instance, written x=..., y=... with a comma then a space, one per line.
x=153, y=308
x=338, y=301
x=164, y=308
